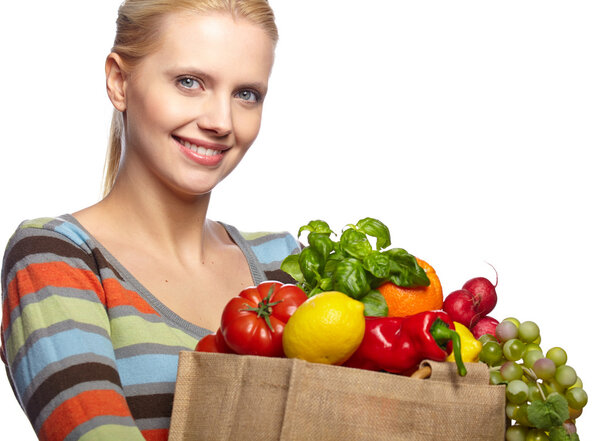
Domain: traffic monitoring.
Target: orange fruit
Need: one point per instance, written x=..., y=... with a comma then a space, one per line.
x=408, y=301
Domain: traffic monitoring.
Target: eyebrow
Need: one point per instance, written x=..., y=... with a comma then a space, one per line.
x=182, y=70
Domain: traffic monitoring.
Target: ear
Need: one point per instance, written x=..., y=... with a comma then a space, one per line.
x=116, y=81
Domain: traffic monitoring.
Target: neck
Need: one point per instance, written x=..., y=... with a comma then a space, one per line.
x=159, y=217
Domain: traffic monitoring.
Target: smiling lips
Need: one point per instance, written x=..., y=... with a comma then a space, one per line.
x=205, y=154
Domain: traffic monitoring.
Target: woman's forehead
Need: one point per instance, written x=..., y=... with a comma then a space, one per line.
x=215, y=39
x=217, y=28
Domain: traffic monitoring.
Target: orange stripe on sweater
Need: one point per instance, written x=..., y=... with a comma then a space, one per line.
x=36, y=276
x=82, y=408
x=156, y=434
x=116, y=295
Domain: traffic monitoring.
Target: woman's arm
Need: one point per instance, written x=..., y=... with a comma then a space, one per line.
x=56, y=340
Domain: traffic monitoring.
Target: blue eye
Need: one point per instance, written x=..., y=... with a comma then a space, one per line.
x=248, y=95
x=189, y=83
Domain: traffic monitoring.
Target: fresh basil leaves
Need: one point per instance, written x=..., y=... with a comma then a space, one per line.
x=351, y=265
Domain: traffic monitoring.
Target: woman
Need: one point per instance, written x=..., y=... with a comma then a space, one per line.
x=97, y=304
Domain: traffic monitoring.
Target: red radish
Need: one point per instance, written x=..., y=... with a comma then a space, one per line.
x=462, y=307
x=475, y=300
x=486, y=325
x=484, y=293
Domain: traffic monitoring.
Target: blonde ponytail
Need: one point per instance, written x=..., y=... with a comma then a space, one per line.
x=113, y=154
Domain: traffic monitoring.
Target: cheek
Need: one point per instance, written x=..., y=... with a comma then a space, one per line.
x=247, y=126
x=164, y=114
x=155, y=110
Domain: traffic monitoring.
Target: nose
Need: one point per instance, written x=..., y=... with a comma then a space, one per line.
x=216, y=115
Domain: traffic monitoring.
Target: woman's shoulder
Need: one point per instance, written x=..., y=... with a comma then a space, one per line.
x=270, y=248
x=61, y=227
x=46, y=237
x=268, y=245
x=273, y=238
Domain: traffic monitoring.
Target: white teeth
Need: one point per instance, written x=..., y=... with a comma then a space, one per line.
x=200, y=150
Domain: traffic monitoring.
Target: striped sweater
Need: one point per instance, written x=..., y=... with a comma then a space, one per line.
x=90, y=353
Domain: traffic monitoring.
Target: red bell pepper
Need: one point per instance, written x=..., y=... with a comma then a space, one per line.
x=399, y=344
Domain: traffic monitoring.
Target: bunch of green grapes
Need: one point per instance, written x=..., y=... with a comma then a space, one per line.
x=544, y=395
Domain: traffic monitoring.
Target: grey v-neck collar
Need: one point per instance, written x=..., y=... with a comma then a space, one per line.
x=197, y=331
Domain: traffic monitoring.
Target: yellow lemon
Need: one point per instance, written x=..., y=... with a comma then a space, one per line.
x=470, y=347
x=327, y=328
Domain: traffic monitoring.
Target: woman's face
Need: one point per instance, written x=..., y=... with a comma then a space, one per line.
x=194, y=107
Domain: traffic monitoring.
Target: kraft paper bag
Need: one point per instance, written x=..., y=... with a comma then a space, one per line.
x=237, y=398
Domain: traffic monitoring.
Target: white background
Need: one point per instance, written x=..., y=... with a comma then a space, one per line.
x=468, y=127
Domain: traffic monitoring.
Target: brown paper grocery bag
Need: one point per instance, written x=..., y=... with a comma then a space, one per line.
x=237, y=398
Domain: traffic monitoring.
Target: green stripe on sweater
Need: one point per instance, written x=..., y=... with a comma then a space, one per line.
x=52, y=310
x=142, y=331
x=110, y=431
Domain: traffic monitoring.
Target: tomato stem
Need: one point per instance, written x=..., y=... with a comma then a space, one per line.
x=265, y=307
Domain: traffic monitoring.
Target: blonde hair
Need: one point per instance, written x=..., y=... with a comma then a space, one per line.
x=137, y=35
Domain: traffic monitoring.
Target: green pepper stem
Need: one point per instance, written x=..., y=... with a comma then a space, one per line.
x=441, y=333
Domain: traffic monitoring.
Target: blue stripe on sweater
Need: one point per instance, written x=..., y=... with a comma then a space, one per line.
x=73, y=232
x=148, y=368
x=57, y=347
x=274, y=250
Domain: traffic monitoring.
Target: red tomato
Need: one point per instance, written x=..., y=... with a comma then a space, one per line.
x=213, y=343
x=252, y=323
